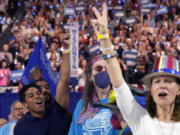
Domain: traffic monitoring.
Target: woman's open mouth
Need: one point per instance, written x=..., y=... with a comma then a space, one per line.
x=162, y=95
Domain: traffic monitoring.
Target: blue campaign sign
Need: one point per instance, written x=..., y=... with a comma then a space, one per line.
x=162, y=11
x=119, y=14
x=144, y=2
x=69, y=11
x=118, y=8
x=16, y=74
x=145, y=11
x=131, y=20
x=80, y=8
x=66, y=26
x=152, y=5
x=93, y=50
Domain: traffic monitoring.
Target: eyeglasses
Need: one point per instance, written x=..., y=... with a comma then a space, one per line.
x=18, y=109
x=99, y=68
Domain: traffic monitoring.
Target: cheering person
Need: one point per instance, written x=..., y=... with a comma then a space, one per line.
x=162, y=116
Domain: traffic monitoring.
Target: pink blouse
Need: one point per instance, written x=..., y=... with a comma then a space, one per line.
x=4, y=75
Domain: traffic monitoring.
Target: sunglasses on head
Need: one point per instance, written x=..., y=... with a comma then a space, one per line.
x=99, y=68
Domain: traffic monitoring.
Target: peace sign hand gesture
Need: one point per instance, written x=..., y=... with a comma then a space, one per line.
x=100, y=24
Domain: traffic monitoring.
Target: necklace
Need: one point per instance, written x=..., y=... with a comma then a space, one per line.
x=161, y=129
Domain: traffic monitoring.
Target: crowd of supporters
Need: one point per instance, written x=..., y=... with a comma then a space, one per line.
x=138, y=37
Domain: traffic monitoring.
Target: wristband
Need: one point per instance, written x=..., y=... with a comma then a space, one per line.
x=104, y=36
x=105, y=49
x=109, y=56
x=65, y=51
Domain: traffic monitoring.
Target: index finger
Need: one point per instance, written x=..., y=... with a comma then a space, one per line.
x=104, y=12
x=96, y=12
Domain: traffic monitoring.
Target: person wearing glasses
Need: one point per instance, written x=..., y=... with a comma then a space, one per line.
x=17, y=114
x=3, y=121
x=162, y=116
x=87, y=118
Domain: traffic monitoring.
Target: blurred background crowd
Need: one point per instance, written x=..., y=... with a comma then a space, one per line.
x=140, y=31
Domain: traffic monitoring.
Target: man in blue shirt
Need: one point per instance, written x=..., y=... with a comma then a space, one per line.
x=17, y=113
x=129, y=59
x=41, y=120
x=3, y=121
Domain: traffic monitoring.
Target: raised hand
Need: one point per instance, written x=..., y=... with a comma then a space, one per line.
x=100, y=24
x=65, y=39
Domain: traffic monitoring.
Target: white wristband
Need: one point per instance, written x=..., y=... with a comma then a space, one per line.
x=64, y=51
x=105, y=49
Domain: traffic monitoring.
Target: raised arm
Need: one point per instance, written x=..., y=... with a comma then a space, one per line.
x=113, y=66
x=128, y=106
x=63, y=90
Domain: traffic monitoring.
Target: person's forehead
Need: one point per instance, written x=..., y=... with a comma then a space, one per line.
x=164, y=77
x=44, y=85
x=18, y=104
x=46, y=90
x=53, y=45
x=5, y=46
x=31, y=90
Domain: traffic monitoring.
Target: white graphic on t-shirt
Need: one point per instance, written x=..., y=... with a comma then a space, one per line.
x=100, y=124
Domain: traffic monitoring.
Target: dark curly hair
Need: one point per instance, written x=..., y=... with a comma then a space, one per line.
x=1, y=62
x=25, y=88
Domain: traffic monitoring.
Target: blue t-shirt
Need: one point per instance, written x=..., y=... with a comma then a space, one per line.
x=5, y=130
x=100, y=124
x=54, y=122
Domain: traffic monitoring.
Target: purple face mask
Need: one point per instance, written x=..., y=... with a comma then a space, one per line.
x=102, y=79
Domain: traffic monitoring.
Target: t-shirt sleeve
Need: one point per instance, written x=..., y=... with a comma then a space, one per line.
x=59, y=117
x=130, y=109
x=2, y=131
x=75, y=129
x=58, y=108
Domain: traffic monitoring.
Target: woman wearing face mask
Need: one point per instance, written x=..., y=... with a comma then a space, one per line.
x=88, y=119
x=162, y=116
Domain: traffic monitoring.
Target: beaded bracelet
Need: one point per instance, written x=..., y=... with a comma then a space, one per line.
x=105, y=49
x=109, y=56
x=104, y=36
